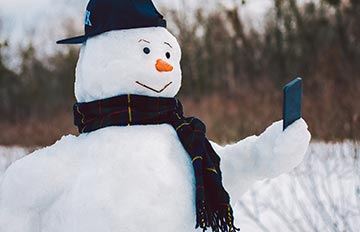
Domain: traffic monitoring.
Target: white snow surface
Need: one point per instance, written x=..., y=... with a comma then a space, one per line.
x=9, y=155
x=110, y=64
x=136, y=178
x=270, y=203
x=322, y=194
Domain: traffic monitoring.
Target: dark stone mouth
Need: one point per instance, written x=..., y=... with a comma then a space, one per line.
x=152, y=89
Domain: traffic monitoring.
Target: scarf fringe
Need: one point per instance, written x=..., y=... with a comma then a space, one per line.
x=219, y=220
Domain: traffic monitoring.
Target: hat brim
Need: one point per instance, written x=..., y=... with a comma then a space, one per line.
x=73, y=40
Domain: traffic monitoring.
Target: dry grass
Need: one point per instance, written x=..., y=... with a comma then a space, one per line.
x=35, y=132
x=232, y=77
x=331, y=109
x=228, y=118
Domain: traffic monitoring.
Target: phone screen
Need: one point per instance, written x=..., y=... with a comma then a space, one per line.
x=292, y=102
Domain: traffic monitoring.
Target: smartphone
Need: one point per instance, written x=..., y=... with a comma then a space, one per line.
x=292, y=102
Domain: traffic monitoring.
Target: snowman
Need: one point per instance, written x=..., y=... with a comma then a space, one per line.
x=138, y=164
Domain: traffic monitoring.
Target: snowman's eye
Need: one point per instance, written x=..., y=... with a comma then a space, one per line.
x=146, y=50
x=168, y=55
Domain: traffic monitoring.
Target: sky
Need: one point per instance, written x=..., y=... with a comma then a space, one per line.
x=43, y=21
x=32, y=16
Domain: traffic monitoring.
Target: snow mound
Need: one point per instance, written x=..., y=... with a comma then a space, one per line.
x=136, y=178
x=9, y=155
x=322, y=194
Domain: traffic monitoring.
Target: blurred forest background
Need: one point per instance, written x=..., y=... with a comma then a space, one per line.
x=232, y=73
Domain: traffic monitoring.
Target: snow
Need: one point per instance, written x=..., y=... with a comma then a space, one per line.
x=98, y=181
x=9, y=155
x=322, y=194
x=268, y=155
x=131, y=178
x=269, y=204
x=110, y=64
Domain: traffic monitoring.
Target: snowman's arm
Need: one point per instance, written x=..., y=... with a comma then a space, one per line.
x=265, y=156
x=238, y=163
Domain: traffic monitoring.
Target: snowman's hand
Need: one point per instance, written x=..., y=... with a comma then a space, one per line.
x=293, y=142
x=286, y=149
x=257, y=157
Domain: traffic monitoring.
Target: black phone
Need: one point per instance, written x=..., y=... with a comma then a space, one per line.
x=292, y=102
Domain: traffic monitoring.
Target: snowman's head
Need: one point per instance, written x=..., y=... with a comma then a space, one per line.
x=142, y=61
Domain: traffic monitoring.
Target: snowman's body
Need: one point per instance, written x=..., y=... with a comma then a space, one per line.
x=110, y=186
x=134, y=178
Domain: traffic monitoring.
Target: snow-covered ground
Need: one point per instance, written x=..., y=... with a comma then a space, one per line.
x=322, y=194
x=8, y=155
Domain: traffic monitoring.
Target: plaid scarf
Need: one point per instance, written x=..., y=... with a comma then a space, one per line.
x=213, y=209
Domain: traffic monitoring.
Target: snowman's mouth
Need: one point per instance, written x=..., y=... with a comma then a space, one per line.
x=152, y=89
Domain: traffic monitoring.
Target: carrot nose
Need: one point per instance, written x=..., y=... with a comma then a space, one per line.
x=163, y=66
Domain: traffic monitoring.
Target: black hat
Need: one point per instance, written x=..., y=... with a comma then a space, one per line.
x=107, y=15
